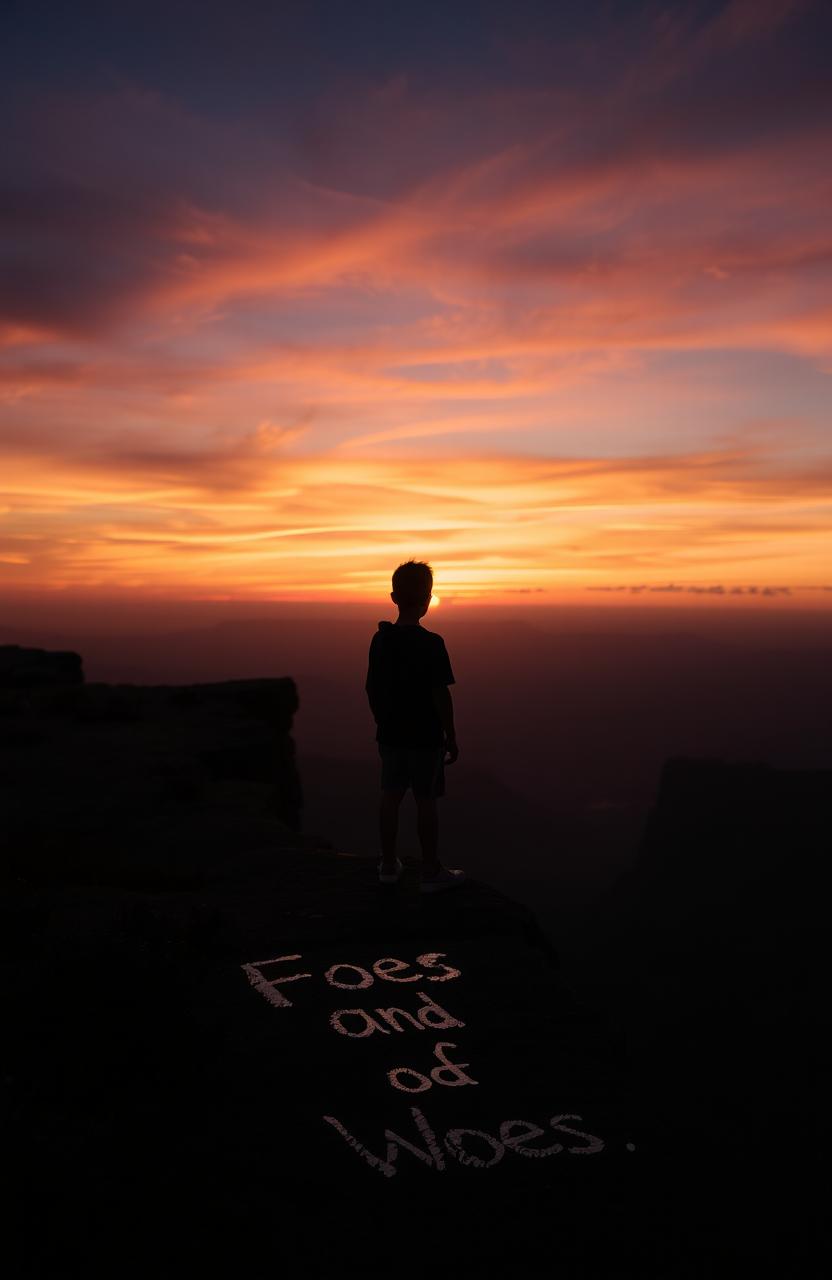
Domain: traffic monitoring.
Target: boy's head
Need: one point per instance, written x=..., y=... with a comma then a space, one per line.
x=412, y=586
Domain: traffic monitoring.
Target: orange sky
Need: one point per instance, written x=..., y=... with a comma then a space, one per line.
x=553, y=336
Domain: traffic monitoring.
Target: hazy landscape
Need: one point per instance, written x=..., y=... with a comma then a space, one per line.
x=564, y=717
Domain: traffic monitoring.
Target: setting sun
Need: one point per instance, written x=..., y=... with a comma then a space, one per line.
x=434, y=601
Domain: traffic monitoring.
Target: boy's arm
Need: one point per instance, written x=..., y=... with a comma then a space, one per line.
x=374, y=706
x=371, y=685
x=371, y=689
x=442, y=701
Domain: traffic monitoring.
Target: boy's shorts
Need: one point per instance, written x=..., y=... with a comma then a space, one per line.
x=421, y=768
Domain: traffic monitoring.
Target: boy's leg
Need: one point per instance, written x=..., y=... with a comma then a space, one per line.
x=427, y=826
x=388, y=825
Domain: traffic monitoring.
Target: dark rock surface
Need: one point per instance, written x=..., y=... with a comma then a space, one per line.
x=167, y=1113
x=155, y=1097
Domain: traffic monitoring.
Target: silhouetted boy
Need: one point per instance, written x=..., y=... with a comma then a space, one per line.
x=407, y=685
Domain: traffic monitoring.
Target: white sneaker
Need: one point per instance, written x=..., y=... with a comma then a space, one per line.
x=390, y=877
x=447, y=879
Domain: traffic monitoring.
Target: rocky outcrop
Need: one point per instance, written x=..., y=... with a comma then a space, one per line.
x=118, y=784
x=712, y=953
x=30, y=668
x=735, y=846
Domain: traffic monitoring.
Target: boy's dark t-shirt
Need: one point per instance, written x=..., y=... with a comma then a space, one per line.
x=406, y=663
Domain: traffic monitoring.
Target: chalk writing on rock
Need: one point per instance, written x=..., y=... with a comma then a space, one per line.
x=366, y=979
x=469, y=1146
x=447, y=1073
x=387, y=969
x=268, y=986
x=431, y=1015
x=472, y=1148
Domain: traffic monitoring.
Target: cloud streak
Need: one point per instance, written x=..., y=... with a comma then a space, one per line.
x=297, y=525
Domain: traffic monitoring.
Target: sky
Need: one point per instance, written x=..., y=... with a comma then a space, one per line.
x=539, y=292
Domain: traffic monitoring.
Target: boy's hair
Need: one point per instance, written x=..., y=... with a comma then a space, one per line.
x=413, y=583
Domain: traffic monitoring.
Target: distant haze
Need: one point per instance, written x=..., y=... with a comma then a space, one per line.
x=564, y=716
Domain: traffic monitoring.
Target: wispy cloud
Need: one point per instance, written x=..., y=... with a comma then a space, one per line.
x=271, y=524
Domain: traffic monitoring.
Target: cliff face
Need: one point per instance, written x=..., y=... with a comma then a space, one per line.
x=127, y=784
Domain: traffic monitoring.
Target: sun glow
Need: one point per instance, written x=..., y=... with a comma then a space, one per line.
x=433, y=602
x=702, y=519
